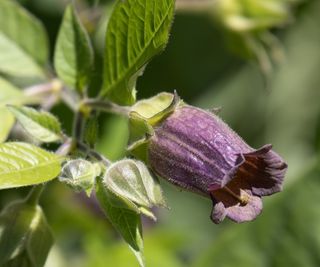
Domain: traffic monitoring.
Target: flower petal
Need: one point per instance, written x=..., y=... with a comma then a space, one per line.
x=264, y=170
x=245, y=213
x=238, y=212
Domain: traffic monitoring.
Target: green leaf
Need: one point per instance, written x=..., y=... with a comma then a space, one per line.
x=40, y=124
x=23, y=42
x=132, y=180
x=25, y=237
x=123, y=218
x=80, y=174
x=40, y=239
x=143, y=116
x=73, y=58
x=23, y=164
x=137, y=31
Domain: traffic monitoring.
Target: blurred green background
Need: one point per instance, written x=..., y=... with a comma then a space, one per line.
x=282, y=109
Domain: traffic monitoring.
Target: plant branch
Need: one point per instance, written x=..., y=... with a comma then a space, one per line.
x=106, y=106
x=78, y=126
x=92, y=153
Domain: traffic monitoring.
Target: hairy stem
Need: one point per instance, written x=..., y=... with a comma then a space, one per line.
x=92, y=153
x=78, y=126
x=107, y=106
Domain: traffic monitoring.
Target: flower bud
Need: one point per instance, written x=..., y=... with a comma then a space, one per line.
x=197, y=151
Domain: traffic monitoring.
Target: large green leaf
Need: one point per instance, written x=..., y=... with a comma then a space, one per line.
x=25, y=237
x=137, y=31
x=73, y=56
x=285, y=234
x=23, y=164
x=126, y=220
x=23, y=42
x=39, y=124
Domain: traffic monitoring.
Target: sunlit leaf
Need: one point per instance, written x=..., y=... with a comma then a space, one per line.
x=137, y=31
x=73, y=53
x=23, y=42
x=40, y=124
x=24, y=164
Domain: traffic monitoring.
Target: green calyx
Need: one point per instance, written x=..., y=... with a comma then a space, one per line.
x=144, y=116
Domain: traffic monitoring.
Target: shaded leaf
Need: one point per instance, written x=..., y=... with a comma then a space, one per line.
x=25, y=237
x=23, y=42
x=39, y=124
x=23, y=164
x=123, y=218
x=73, y=58
x=137, y=31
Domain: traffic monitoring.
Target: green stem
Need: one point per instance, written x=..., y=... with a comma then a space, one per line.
x=34, y=194
x=92, y=153
x=78, y=126
x=107, y=106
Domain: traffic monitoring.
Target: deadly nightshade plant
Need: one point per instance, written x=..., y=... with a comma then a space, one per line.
x=187, y=146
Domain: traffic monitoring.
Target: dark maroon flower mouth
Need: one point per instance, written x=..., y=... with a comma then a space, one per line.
x=260, y=173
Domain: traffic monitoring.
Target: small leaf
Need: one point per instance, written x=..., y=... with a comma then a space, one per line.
x=145, y=114
x=23, y=42
x=123, y=218
x=132, y=180
x=73, y=58
x=137, y=31
x=25, y=235
x=80, y=174
x=23, y=164
x=40, y=124
x=152, y=108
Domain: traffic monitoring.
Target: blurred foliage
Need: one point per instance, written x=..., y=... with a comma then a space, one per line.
x=284, y=112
